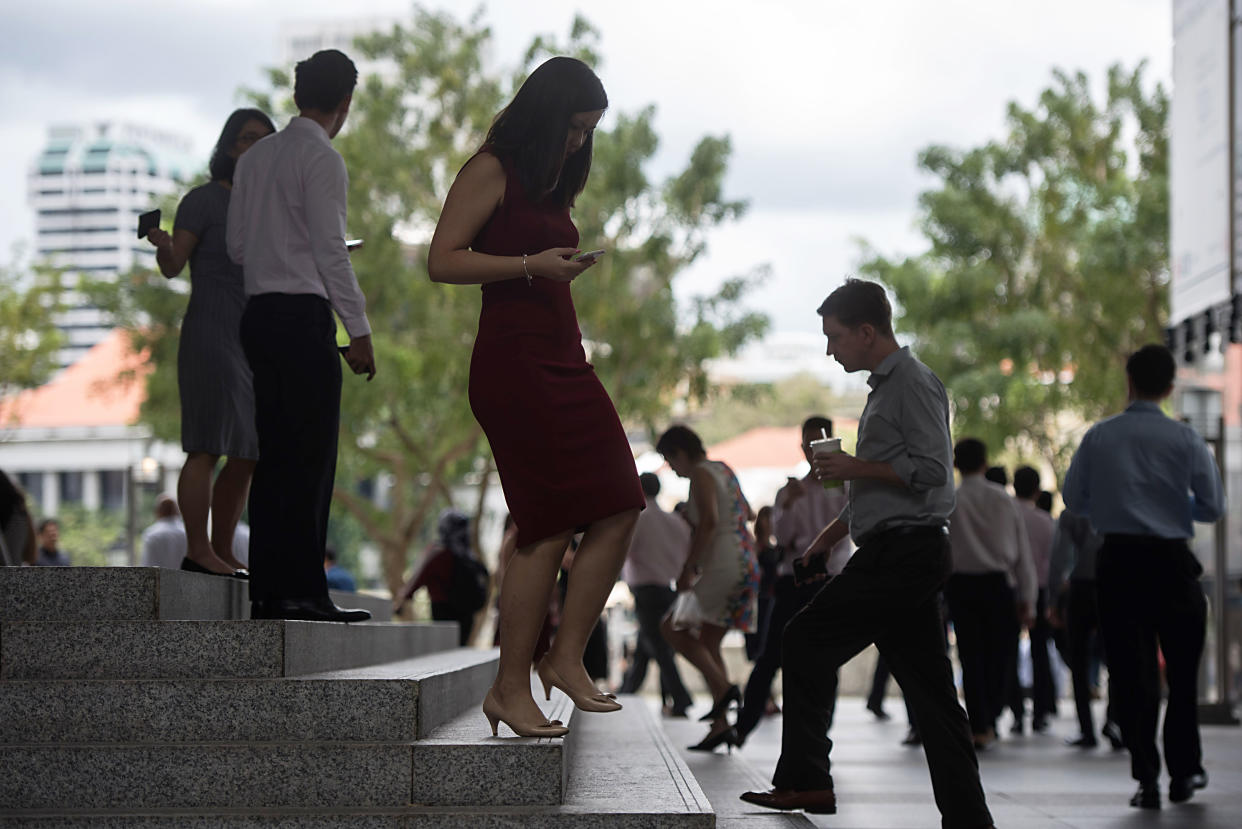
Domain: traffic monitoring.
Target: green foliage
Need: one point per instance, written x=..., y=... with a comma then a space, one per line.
x=88, y=535
x=410, y=129
x=29, y=340
x=1047, y=262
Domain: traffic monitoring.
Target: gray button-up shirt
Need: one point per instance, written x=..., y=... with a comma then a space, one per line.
x=905, y=424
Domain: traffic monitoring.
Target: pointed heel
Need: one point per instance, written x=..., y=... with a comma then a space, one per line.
x=732, y=695
x=547, y=686
x=495, y=714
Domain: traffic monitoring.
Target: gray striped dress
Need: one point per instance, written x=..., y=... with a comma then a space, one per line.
x=217, y=395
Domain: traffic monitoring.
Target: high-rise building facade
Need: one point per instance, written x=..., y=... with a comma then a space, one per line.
x=87, y=187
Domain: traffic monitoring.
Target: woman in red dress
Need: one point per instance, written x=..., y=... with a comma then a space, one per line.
x=564, y=462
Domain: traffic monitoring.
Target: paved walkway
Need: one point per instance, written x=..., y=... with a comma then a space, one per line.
x=1032, y=782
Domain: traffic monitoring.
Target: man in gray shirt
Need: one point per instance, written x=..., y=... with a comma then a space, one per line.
x=901, y=494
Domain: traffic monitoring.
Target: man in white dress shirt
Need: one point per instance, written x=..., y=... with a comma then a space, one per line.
x=991, y=557
x=657, y=552
x=164, y=542
x=286, y=228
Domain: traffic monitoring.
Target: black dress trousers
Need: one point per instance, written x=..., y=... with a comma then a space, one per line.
x=290, y=343
x=887, y=594
x=981, y=606
x=1150, y=595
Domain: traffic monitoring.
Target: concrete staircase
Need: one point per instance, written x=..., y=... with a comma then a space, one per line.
x=136, y=697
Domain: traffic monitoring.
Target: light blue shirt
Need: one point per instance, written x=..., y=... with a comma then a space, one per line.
x=1141, y=473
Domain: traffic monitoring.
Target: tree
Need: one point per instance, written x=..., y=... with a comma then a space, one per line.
x=1047, y=262
x=29, y=339
x=411, y=128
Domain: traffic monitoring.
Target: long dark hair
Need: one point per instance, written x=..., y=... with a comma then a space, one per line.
x=532, y=130
x=222, y=160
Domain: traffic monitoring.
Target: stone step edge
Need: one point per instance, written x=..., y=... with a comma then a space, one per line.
x=428, y=672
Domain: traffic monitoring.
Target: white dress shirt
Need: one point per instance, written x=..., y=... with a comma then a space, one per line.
x=164, y=544
x=796, y=523
x=659, y=549
x=1040, y=529
x=286, y=224
x=987, y=535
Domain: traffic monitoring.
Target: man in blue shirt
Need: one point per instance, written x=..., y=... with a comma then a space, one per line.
x=1143, y=480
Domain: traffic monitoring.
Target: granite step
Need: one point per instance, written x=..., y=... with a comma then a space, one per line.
x=401, y=701
x=465, y=764
x=208, y=649
x=622, y=773
x=137, y=594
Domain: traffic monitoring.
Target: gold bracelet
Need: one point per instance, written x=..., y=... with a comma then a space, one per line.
x=524, y=269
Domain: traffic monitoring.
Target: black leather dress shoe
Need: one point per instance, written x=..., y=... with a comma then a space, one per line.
x=817, y=801
x=318, y=609
x=1182, y=789
x=1147, y=797
x=913, y=738
x=1084, y=741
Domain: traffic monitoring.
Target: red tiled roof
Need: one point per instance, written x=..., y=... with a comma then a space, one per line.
x=104, y=388
x=775, y=447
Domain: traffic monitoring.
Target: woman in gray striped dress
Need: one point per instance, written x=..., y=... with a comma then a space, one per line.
x=217, y=398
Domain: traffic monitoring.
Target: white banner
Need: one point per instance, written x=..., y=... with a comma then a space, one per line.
x=1200, y=213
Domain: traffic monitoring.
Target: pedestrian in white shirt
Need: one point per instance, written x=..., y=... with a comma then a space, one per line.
x=992, y=589
x=164, y=542
x=286, y=228
x=653, y=564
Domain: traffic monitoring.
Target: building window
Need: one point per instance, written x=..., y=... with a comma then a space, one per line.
x=70, y=487
x=112, y=488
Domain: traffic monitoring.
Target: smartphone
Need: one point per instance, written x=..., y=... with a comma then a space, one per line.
x=344, y=349
x=147, y=222
x=353, y=244
x=586, y=254
x=808, y=573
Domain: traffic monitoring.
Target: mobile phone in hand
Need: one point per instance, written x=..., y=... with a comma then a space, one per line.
x=816, y=571
x=586, y=254
x=147, y=222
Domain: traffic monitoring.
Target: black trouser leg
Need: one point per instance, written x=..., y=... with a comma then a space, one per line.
x=981, y=607
x=1044, y=701
x=1082, y=622
x=918, y=661
x=1181, y=628
x=787, y=600
x=879, y=684
x=651, y=603
x=290, y=344
x=1150, y=595
x=886, y=595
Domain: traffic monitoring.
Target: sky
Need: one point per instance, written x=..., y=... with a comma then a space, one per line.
x=827, y=103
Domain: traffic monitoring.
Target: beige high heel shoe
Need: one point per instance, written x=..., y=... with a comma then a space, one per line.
x=598, y=703
x=494, y=714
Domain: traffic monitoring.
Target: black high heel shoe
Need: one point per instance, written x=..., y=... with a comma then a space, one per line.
x=728, y=736
x=734, y=694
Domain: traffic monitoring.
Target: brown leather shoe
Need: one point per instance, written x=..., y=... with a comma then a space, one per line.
x=815, y=801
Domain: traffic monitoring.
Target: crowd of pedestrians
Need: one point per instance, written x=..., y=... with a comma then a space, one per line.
x=882, y=546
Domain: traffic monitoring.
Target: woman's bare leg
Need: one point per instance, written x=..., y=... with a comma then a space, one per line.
x=194, y=500
x=703, y=652
x=597, y=563
x=524, y=592
x=228, y=498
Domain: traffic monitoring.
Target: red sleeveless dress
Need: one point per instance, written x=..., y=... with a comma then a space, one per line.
x=563, y=458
